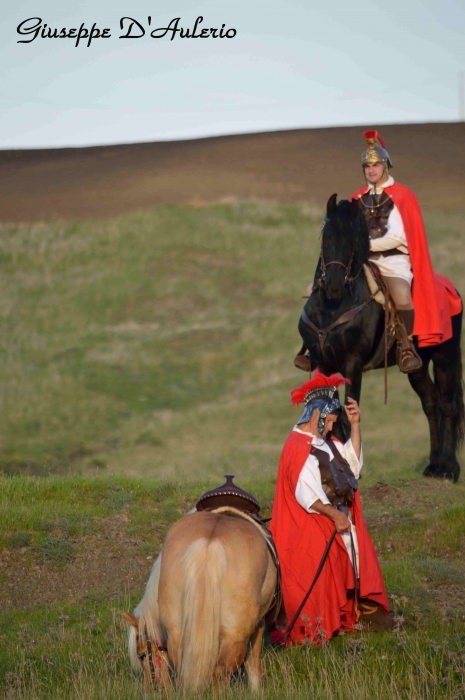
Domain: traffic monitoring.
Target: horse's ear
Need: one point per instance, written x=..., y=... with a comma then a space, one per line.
x=130, y=619
x=331, y=206
x=354, y=207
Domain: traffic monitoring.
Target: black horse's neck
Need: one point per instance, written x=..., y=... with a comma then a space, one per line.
x=339, y=278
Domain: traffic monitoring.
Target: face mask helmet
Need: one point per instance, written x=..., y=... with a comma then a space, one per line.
x=319, y=393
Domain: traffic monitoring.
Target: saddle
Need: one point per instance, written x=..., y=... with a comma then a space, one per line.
x=228, y=495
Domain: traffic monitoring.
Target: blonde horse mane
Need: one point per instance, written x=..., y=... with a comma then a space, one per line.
x=149, y=618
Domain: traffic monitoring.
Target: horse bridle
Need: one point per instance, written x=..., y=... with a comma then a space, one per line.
x=148, y=653
x=347, y=268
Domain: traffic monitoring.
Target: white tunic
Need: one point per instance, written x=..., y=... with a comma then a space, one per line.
x=393, y=265
x=310, y=489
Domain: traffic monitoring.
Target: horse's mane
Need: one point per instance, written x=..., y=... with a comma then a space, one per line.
x=343, y=222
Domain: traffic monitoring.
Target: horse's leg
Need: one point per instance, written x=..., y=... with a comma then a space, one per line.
x=423, y=386
x=253, y=663
x=444, y=364
x=174, y=638
x=231, y=657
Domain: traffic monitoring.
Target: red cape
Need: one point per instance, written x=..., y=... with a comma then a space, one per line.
x=300, y=539
x=434, y=298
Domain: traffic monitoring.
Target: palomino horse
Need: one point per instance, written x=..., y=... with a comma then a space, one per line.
x=203, y=612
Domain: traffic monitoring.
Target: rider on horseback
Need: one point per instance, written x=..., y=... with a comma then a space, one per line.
x=425, y=301
x=391, y=239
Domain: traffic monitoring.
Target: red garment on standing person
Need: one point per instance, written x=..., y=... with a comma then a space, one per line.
x=434, y=297
x=300, y=539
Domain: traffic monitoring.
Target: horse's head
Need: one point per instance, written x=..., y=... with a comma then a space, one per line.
x=144, y=651
x=344, y=246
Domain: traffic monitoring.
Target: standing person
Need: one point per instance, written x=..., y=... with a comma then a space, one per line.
x=317, y=492
x=399, y=248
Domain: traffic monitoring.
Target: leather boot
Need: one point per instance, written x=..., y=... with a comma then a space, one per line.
x=407, y=356
x=373, y=618
x=302, y=361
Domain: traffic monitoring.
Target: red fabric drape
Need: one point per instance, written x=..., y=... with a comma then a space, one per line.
x=300, y=539
x=434, y=297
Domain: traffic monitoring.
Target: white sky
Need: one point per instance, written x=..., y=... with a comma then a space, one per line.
x=293, y=63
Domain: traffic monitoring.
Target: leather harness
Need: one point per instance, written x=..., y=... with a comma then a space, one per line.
x=346, y=316
x=337, y=479
x=376, y=209
x=148, y=652
x=389, y=322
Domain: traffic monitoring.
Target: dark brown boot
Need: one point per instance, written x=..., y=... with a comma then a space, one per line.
x=373, y=618
x=407, y=356
x=302, y=361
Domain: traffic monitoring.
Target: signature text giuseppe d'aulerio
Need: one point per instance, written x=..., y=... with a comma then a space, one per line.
x=130, y=28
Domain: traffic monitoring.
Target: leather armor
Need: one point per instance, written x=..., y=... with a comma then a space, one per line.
x=376, y=209
x=337, y=479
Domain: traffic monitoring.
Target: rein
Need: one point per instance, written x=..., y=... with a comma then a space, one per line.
x=283, y=638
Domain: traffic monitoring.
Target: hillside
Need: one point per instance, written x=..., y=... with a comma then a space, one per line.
x=161, y=343
x=146, y=349
x=287, y=167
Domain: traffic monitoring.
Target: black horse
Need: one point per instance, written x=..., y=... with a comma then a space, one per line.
x=342, y=328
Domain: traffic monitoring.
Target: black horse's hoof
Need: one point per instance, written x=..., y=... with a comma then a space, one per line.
x=432, y=471
x=438, y=471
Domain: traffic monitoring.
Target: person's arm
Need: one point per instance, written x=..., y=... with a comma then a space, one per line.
x=377, y=245
x=309, y=488
x=394, y=237
x=340, y=520
x=353, y=415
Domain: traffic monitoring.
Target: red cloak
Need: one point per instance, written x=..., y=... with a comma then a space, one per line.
x=300, y=539
x=434, y=298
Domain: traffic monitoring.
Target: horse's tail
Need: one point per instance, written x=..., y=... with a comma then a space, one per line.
x=204, y=563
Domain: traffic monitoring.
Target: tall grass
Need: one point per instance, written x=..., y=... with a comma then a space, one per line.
x=70, y=642
x=91, y=662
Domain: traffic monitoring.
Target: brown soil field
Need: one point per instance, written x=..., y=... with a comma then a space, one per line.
x=288, y=167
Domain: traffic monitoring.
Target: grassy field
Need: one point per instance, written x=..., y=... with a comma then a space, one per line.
x=159, y=345
x=76, y=550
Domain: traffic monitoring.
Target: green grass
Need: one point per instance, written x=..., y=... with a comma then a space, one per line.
x=141, y=359
x=161, y=343
x=73, y=644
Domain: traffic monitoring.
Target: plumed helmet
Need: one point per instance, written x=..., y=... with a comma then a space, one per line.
x=376, y=150
x=319, y=393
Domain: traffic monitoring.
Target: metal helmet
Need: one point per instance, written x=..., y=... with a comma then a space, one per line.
x=319, y=394
x=375, y=151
